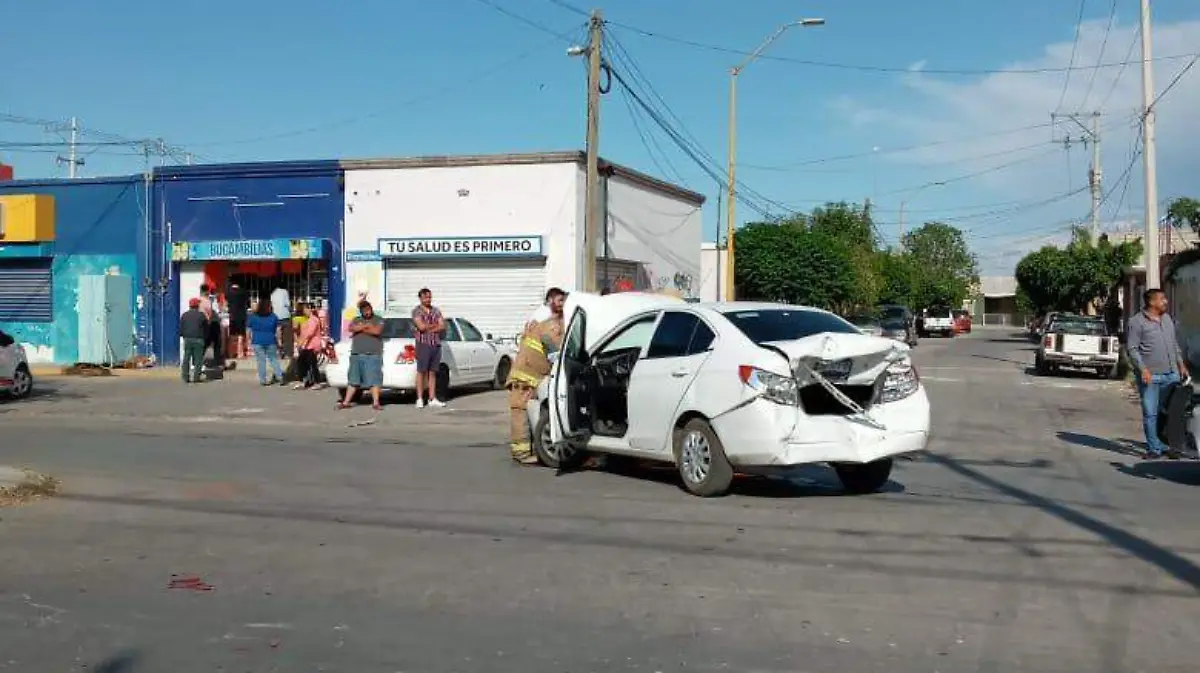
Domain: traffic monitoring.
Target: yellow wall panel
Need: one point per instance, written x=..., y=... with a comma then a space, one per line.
x=27, y=218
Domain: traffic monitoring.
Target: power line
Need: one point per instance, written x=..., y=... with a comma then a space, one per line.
x=883, y=69
x=526, y=20
x=459, y=84
x=1112, y=18
x=1120, y=73
x=896, y=150
x=1074, y=48
x=1170, y=86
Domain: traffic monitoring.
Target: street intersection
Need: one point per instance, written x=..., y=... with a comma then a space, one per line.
x=231, y=527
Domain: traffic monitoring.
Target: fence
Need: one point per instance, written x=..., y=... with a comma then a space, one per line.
x=1004, y=319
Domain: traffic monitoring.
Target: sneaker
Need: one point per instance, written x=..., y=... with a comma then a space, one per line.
x=420, y=403
x=435, y=402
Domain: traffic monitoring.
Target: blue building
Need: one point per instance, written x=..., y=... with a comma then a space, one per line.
x=73, y=268
x=260, y=225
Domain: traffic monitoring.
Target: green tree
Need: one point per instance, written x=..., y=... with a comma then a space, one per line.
x=946, y=270
x=1075, y=276
x=898, y=279
x=1184, y=212
x=785, y=261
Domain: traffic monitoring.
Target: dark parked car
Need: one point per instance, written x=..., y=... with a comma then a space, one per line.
x=893, y=318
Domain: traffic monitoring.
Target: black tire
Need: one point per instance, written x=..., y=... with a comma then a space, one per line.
x=501, y=376
x=1039, y=366
x=565, y=458
x=442, y=383
x=22, y=382
x=708, y=475
x=864, y=478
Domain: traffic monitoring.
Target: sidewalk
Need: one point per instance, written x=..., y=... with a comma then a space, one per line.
x=236, y=404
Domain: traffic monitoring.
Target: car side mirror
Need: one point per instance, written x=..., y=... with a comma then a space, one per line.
x=488, y=336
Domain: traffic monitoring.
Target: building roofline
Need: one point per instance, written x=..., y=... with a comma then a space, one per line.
x=9, y=185
x=251, y=169
x=525, y=159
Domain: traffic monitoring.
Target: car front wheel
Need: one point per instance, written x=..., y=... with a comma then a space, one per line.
x=555, y=457
x=863, y=478
x=22, y=382
x=701, y=460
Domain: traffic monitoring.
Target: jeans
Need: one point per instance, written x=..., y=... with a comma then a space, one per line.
x=192, y=362
x=263, y=355
x=1152, y=399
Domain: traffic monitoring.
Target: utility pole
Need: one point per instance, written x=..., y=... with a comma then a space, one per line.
x=1088, y=135
x=1149, y=161
x=72, y=159
x=593, y=214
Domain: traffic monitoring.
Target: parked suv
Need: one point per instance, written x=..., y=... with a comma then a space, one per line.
x=15, y=377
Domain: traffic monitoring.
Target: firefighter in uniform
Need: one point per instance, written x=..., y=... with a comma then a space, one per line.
x=539, y=342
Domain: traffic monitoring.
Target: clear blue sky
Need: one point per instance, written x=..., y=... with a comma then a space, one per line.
x=263, y=80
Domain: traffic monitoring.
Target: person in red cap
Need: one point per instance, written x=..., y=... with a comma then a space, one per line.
x=193, y=328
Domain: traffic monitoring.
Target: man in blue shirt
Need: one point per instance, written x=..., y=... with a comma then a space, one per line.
x=1158, y=362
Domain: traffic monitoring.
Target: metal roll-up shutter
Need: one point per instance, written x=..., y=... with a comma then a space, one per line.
x=26, y=290
x=617, y=275
x=497, y=296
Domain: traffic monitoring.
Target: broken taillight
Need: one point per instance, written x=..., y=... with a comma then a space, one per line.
x=1048, y=341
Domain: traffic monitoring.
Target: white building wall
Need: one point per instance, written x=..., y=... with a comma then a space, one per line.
x=660, y=230
x=714, y=269
x=502, y=200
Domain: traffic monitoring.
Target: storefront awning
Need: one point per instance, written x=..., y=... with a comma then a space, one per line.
x=250, y=249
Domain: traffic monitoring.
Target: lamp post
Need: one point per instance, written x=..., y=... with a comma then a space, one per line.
x=904, y=202
x=731, y=195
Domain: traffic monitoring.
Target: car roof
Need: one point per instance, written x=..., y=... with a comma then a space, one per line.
x=605, y=312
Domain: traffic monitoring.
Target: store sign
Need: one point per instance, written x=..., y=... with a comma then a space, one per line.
x=363, y=256
x=484, y=246
x=247, y=249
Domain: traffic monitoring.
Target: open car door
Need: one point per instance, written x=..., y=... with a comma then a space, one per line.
x=569, y=419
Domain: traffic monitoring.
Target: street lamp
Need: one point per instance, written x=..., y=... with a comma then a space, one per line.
x=904, y=202
x=731, y=196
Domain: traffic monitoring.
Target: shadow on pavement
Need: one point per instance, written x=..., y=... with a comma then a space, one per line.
x=1124, y=447
x=1186, y=472
x=1170, y=562
x=43, y=392
x=119, y=663
x=810, y=481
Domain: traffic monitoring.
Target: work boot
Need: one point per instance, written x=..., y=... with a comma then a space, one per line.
x=522, y=453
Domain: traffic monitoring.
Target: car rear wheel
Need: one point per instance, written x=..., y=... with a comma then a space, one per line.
x=863, y=478
x=701, y=460
x=501, y=377
x=22, y=382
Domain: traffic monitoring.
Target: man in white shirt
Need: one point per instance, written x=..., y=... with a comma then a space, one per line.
x=281, y=305
x=543, y=312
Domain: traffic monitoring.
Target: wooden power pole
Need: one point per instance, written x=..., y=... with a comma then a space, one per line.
x=593, y=208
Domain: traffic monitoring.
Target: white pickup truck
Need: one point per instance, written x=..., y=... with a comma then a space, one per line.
x=938, y=320
x=1079, y=342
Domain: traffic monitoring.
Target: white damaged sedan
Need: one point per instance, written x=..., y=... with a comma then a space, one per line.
x=719, y=388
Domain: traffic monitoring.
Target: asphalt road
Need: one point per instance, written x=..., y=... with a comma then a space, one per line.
x=1030, y=538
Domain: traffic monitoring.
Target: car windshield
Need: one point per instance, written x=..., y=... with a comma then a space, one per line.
x=863, y=320
x=939, y=312
x=893, y=323
x=1080, y=327
x=786, y=324
x=397, y=328
x=890, y=312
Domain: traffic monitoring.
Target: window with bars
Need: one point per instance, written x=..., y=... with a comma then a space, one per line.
x=26, y=290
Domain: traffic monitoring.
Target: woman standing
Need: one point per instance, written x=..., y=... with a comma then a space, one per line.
x=265, y=338
x=311, y=342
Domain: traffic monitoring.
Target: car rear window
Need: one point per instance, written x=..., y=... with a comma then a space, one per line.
x=1079, y=327
x=397, y=328
x=786, y=324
